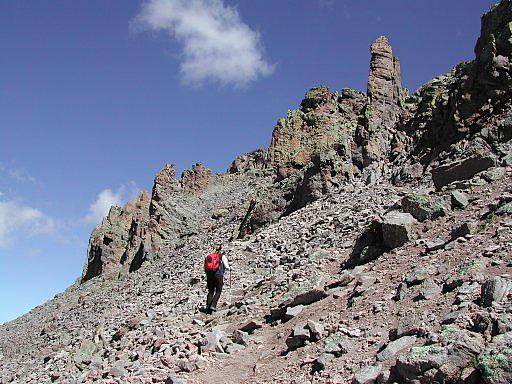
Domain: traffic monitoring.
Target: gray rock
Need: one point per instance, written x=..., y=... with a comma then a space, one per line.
x=464, y=169
x=459, y=199
x=187, y=365
x=429, y=289
x=505, y=209
x=401, y=292
x=175, y=380
x=396, y=228
x=368, y=374
x=336, y=345
x=84, y=353
x=413, y=364
x=495, y=290
x=495, y=362
x=464, y=229
x=494, y=174
x=117, y=371
x=423, y=207
x=419, y=275
x=291, y=312
x=316, y=330
x=240, y=337
x=396, y=346
x=298, y=337
x=409, y=324
x=434, y=245
x=211, y=341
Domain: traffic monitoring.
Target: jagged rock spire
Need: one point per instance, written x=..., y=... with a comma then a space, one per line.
x=384, y=84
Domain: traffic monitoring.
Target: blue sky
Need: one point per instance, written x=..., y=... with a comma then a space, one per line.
x=97, y=96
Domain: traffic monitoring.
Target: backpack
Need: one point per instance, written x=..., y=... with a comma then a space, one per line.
x=212, y=262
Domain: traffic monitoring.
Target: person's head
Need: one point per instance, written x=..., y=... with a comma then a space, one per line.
x=218, y=248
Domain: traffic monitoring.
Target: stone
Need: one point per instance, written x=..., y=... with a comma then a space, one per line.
x=240, y=337
x=505, y=209
x=368, y=374
x=250, y=326
x=187, y=365
x=480, y=159
x=418, y=275
x=495, y=290
x=429, y=290
x=175, y=380
x=220, y=213
x=117, y=371
x=495, y=362
x=307, y=293
x=298, y=337
x=423, y=207
x=416, y=361
x=459, y=200
x=234, y=348
x=291, y=312
x=409, y=324
x=211, y=341
x=321, y=362
x=464, y=229
x=316, y=330
x=84, y=353
x=336, y=345
x=434, y=245
x=195, y=180
x=397, y=229
x=396, y=346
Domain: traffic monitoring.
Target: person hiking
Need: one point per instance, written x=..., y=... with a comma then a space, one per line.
x=215, y=265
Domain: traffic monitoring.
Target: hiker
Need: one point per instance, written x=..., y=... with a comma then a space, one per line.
x=215, y=265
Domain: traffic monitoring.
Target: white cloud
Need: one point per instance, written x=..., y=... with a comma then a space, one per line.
x=18, y=174
x=19, y=220
x=107, y=198
x=217, y=45
x=99, y=209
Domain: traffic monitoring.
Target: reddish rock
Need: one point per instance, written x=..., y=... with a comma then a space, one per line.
x=197, y=179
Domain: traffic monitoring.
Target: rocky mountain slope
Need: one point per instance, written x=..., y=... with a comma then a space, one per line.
x=370, y=243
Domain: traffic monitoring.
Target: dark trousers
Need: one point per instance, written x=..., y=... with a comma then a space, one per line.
x=214, y=282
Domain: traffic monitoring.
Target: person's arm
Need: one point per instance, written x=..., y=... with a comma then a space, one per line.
x=225, y=262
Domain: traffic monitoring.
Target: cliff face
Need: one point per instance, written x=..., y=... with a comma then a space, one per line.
x=146, y=227
x=446, y=132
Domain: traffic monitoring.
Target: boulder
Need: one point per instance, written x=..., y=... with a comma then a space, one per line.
x=452, y=356
x=368, y=374
x=397, y=228
x=298, y=337
x=211, y=341
x=480, y=158
x=495, y=290
x=459, y=199
x=464, y=229
x=316, y=330
x=291, y=312
x=423, y=207
x=429, y=289
x=495, y=362
x=505, y=209
x=396, y=346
